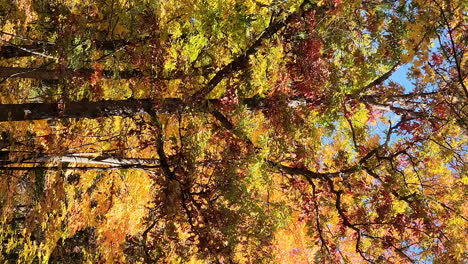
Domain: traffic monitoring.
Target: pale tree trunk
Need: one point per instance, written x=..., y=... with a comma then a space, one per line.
x=8, y=160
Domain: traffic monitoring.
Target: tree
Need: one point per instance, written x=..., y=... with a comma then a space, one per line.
x=233, y=131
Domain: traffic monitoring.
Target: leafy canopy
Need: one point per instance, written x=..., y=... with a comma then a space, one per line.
x=257, y=131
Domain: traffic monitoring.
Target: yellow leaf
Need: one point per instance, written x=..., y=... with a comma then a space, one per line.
x=406, y=58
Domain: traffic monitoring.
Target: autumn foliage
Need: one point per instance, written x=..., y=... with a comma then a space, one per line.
x=257, y=131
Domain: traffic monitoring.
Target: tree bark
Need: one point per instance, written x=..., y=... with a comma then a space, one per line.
x=8, y=157
x=133, y=107
x=16, y=51
x=107, y=108
x=8, y=51
x=45, y=74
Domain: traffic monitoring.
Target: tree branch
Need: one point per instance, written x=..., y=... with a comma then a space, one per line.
x=239, y=62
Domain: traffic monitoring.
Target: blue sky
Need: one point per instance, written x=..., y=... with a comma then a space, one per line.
x=400, y=76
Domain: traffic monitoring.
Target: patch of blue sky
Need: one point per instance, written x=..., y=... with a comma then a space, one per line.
x=400, y=76
x=416, y=250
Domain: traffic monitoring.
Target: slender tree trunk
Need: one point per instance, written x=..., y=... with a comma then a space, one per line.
x=106, y=108
x=8, y=52
x=45, y=74
x=133, y=107
x=16, y=51
x=12, y=157
x=38, y=111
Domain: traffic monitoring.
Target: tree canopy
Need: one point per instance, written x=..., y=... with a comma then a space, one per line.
x=235, y=131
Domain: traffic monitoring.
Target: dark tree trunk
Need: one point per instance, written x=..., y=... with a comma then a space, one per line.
x=16, y=51
x=8, y=52
x=132, y=107
x=106, y=108
x=37, y=111
x=45, y=74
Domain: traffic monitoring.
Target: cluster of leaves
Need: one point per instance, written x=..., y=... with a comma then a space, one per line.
x=255, y=131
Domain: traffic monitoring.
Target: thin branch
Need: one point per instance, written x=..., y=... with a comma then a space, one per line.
x=382, y=78
x=317, y=218
x=454, y=50
x=29, y=51
x=239, y=62
x=28, y=39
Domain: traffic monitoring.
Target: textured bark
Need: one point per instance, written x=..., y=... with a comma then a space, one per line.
x=8, y=52
x=14, y=157
x=133, y=107
x=16, y=51
x=46, y=74
x=106, y=108
x=37, y=111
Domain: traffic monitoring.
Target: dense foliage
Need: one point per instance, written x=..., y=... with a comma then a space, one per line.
x=235, y=131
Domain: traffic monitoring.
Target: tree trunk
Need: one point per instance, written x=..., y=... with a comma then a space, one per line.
x=15, y=51
x=45, y=74
x=106, y=108
x=132, y=107
x=12, y=157
x=8, y=52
